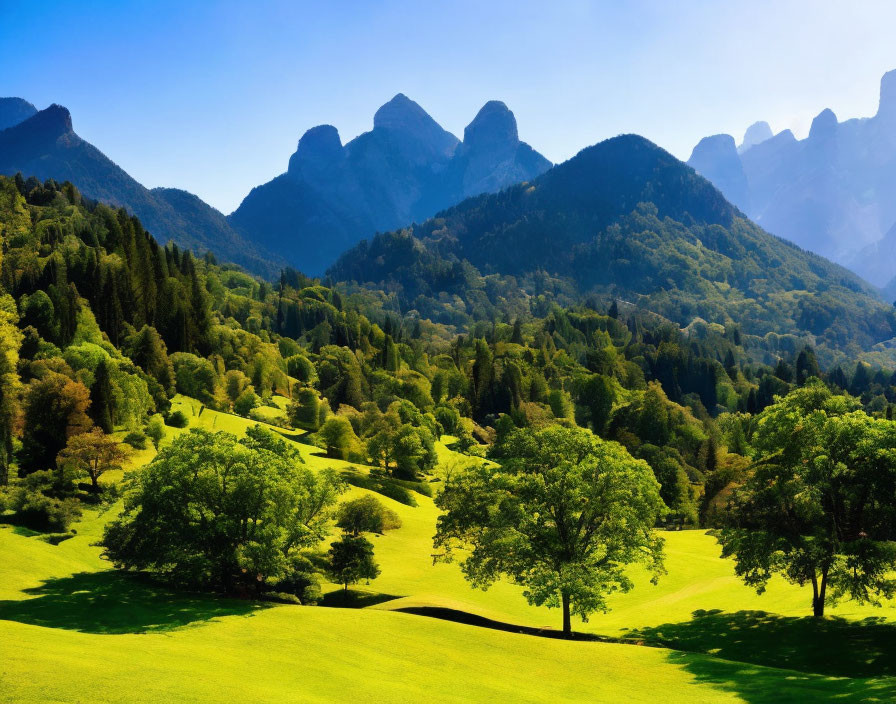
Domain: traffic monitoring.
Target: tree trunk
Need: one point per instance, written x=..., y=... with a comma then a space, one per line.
x=818, y=595
x=567, y=625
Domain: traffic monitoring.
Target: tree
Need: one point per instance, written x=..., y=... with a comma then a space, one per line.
x=102, y=398
x=366, y=514
x=338, y=438
x=351, y=560
x=304, y=411
x=212, y=511
x=819, y=505
x=155, y=430
x=10, y=340
x=55, y=409
x=563, y=515
x=94, y=454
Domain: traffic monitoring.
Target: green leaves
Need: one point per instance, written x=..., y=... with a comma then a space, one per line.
x=563, y=516
x=214, y=511
x=820, y=502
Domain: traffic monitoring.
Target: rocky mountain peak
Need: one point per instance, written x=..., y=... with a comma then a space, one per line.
x=494, y=126
x=319, y=147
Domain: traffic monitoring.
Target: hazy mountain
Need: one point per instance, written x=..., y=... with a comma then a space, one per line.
x=404, y=170
x=13, y=111
x=831, y=193
x=45, y=145
x=626, y=219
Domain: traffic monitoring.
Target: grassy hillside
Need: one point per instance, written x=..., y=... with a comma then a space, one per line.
x=69, y=624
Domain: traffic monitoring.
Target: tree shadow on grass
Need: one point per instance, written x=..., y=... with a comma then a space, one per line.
x=831, y=646
x=354, y=599
x=117, y=602
x=469, y=619
x=758, y=685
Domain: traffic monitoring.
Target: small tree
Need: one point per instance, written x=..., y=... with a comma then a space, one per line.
x=366, y=514
x=819, y=505
x=94, y=454
x=155, y=430
x=564, y=515
x=351, y=560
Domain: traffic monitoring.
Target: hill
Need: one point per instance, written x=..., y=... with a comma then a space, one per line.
x=830, y=193
x=623, y=219
x=44, y=144
x=403, y=170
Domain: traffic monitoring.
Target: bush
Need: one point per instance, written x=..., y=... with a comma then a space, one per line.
x=155, y=430
x=136, y=439
x=177, y=420
x=39, y=512
x=366, y=514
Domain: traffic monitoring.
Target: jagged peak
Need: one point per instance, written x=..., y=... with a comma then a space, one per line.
x=400, y=113
x=714, y=146
x=824, y=124
x=319, y=146
x=494, y=125
x=887, y=106
x=757, y=133
x=14, y=111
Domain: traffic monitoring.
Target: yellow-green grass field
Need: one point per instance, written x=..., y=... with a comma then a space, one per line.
x=74, y=630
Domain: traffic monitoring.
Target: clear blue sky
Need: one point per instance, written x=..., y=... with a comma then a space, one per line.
x=213, y=96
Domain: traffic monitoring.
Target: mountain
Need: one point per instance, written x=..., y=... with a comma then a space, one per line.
x=13, y=111
x=404, y=170
x=45, y=145
x=623, y=219
x=831, y=193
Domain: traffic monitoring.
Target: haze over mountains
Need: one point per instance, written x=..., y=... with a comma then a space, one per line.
x=831, y=193
x=405, y=169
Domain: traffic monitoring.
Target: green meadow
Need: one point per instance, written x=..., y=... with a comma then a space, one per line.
x=71, y=624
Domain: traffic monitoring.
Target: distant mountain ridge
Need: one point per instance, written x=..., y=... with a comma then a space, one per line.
x=833, y=193
x=623, y=219
x=44, y=144
x=402, y=171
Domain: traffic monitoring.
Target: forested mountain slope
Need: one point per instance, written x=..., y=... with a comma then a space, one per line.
x=44, y=144
x=623, y=219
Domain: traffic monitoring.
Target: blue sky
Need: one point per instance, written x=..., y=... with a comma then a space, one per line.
x=213, y=96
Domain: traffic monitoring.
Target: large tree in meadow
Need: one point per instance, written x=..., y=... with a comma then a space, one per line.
x=563, y=515
x=819, y=507
x=212, y=511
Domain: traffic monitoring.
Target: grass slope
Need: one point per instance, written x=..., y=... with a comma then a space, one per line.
x=71, y=629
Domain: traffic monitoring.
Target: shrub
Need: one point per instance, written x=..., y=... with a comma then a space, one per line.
x=177, y=420
x=366, y=514
x=155, y=430
x=39, y=512
x=136, y=439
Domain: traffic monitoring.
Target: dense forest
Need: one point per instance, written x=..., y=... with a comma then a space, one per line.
x=101, y=326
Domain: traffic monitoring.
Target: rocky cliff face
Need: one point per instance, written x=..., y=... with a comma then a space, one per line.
x=831, y=193
x=405, y=169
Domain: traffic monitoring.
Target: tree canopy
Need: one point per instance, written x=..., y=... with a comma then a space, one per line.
x=563, y=514
x=818, y=506
x=217, y=512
